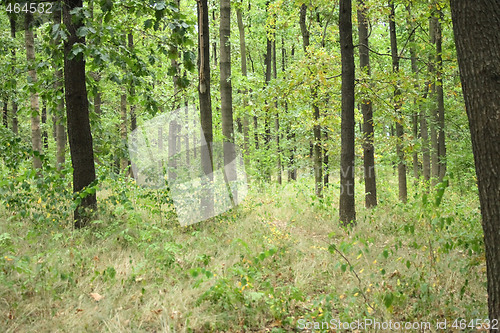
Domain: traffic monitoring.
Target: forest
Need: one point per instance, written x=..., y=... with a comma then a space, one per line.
x=249, y=166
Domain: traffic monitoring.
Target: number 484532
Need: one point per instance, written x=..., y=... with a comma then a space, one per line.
x=30, y=7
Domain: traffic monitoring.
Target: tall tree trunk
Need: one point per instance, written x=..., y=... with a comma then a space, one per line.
x=440, y=98
x=59, y=116
x=414, y=69
x=433, y=21
x=13, y=54
x=476, y=25
x=205, y=101
x=367, y=111
x=426, y=158
x=36, y=136
x=317, y=146
x=243, y=58
x=347, y=208
x=403, y=191
x=77, y=112
x=292, y=172
x=277, y=119
x=226, y=92
x=267, y=125
x=133, y=117
x=123, y=131
x=173, y=126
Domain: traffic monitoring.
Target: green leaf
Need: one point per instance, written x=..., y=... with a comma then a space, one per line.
x=148, y=24
x=388, y=299
x=82, y=31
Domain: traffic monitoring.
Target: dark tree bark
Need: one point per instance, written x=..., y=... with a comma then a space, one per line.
x=226, y=91
x=205, y=100
x=367, y=111
x=13, y=53
x=267, y=125
x=36, y=136
x=440, y=98
x=277, y=118
x=403, y=191
x=433, y=123
x=476, y=25
x=347, y=209
x=77, y=112
x=133, y=117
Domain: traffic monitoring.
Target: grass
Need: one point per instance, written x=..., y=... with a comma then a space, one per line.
x=277, y=260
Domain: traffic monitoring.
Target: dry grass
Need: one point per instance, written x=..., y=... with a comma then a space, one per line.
x=141, y=266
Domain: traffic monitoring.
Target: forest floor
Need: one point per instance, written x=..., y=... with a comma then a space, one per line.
x=277, y=263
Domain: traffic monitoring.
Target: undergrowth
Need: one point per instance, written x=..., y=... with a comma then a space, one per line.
x=277, y=260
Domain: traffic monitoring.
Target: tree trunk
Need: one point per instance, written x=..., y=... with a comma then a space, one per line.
x=347, y=209
x=316, y=146
x=77, y=111
x=123, y=131
x=267, y=125
x=440, y=99
x=13, y=53
x=133, y=117
x=36, y=136
x=367, y=111
x=45, y=135
x=277, y=118
x=433, y=21
x=207, y=203
x=226, y=92
x=6, y=113
x=403, y=192
x=414, y=69
x=292, y=172
x=476, y=25
x=243, y=58
x=59, y=116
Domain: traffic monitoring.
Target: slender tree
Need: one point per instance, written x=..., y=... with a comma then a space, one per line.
x=403, y=191
x=36, y=136
x=440, y=95
x=77, y=113
x=347, y=209
x=226, y=92
x=476, y=25
x=243, y=58
x=316, y=146
x=414, y=70
x=60, y=129
x=12, y=22
x=123, y=130
x=367, y=111
x=205, y=100
x=434, y=144
x=6, y=113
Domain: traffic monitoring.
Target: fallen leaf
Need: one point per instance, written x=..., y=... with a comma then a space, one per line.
x=79, y=310
x=157, y=311
x=96, y=296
